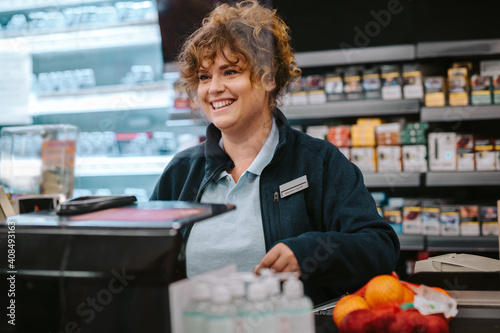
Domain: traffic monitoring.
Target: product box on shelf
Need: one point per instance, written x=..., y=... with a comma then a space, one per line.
x=388, y=134
x=371, y=83
x=435, y=91
x=469, y=220
x=362, y=135
x=480, y=90
x=414, y=133
x=339, y=135
x=319, y=131
x=450, y=220
x=412, y=218
x=414, y=158
x=431, y=222
x=391, y=82
x=394, y=217
x=353, y=87
x=489, y=220
x=495, y=80
x=334, y=87
x=346, y=151
x=412, y=82
x=315, y=86
x=364, y=158
x=465, y=152
x=442, y=151
x=458, y=81
x=485, y=154
x=389, y=159
x=497, y=153
x=298, y=92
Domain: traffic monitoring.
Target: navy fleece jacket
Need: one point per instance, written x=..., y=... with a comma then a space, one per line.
x=333, y=226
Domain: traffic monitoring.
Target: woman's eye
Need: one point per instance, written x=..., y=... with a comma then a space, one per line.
x=203, y=77
x=230, y=72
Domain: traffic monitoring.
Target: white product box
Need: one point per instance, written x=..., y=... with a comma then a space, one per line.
x=450, y=221
x=414, y=158
x=442, y=151
x=469, y=220
x=412, y=222
x=346, y=151
x=486, y=160
x=465, y=162
x=489, y=220
x=389, y=158
x=364, y=158
x=430, y=220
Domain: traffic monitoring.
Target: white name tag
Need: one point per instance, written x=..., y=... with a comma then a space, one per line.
x=293, y=186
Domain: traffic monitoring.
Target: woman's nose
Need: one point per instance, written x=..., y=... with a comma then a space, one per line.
x=216, y=86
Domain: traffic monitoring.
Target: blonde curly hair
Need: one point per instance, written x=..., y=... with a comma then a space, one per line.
x=251, y=32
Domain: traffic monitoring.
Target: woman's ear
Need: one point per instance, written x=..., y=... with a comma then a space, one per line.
x=268, y=83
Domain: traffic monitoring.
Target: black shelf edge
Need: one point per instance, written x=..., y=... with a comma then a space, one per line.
x=457, y=48
x=392, y=179
x=353, y=109
x=460, y=113
x=463, y=178
x=462, y=243
x=411, y=242
x=350, y=56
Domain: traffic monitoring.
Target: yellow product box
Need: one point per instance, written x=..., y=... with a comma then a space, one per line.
x=489, y=220
x=458, y=81
x=435, y=91
x=412, y=218
x=369, y=121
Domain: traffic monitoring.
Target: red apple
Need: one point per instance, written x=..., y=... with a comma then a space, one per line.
x=436, y=324
x=358, y=321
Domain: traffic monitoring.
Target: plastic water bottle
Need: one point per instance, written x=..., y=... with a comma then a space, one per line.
x=221, y=314
x=258, y=313
x=194, y=313
x=238, y=294
x=273, y=288
x=296, y=309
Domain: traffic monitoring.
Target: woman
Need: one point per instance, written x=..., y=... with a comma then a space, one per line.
x=301, y=205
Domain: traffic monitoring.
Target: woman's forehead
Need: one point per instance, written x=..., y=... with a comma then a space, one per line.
x=226, y=56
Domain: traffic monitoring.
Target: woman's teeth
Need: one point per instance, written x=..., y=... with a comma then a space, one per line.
x=221, y=104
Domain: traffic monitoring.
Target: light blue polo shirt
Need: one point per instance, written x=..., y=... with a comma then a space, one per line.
x=236, y=236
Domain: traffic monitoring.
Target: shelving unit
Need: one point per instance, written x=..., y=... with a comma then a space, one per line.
x=463, y=178
x=361, y=108
x=460, y=113
x=392, y=179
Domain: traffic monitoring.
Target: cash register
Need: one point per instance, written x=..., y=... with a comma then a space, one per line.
x=103, y=271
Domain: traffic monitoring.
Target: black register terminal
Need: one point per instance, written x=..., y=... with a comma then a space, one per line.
x=103, y=271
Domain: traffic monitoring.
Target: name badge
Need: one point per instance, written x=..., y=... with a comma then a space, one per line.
x=293, y=186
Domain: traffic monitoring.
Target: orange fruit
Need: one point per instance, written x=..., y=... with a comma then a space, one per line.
x=346, y=305
x=384, y=290
x=409, y=296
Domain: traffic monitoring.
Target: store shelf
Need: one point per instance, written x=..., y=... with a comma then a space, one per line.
x=463, y=178
x=30, y=5
x=104, y=98
x=129, y=35
x=460, y=113
x=16, y=120
x=458, y=48
x=356, y=56
x=412, y=242
x=121, y=166
x=392, y=179
x=359, y=108
x=462, y=243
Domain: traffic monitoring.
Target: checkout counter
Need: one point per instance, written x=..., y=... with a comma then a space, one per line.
x=68, y=269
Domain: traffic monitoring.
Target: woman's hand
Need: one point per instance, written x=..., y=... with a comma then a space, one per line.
x=280, y=258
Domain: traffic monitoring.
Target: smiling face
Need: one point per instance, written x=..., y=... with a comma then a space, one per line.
x=230, y=99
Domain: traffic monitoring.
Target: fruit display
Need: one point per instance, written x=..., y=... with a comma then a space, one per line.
x=387, y=305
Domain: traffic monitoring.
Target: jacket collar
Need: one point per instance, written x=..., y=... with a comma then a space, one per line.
x=216, y=157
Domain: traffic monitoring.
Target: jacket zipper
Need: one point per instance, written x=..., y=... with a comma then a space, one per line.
x=277, y=205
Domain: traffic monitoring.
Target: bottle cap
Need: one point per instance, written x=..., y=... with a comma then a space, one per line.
x=293, y=288
x=257, y=291
x=221, y=295
x=201, y=291
x=272, y=285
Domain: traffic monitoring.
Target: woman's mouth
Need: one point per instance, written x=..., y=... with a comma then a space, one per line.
x=220, y=104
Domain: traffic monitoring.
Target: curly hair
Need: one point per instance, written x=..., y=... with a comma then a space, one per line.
x=254, y=35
